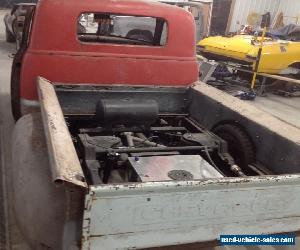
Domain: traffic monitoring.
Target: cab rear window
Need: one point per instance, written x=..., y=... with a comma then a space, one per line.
x=122, y=29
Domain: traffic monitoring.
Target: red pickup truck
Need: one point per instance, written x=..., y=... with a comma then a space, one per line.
x=122, y=148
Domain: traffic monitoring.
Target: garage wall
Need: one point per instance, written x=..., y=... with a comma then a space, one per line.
x=242, y=8
x=291, y=10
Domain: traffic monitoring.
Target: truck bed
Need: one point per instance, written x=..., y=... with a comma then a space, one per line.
x=119, y=216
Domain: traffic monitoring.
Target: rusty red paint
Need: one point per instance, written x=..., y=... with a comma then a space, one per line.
x=55, y=52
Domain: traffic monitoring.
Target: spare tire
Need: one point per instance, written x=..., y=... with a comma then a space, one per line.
x=239, y=143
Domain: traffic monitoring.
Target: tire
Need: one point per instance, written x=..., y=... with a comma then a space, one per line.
x=10, y=38
x=15, y=92
x=239, y=144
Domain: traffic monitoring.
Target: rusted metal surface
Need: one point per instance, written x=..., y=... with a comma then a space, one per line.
x=133, y=215
x=65, y=165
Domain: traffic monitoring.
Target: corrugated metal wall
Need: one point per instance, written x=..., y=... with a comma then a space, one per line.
x=243, y=8
x=291, y=11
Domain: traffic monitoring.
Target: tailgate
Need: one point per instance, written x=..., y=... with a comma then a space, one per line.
x=141, y=215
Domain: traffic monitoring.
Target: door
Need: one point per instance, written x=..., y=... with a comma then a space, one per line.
x=220, y=15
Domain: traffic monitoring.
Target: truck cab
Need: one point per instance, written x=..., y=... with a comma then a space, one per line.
x=152, y=63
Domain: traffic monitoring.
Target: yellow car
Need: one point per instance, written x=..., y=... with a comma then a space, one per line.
x=278, y=56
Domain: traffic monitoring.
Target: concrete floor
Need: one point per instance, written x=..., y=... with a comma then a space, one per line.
x=284, y=108
x=10, y=237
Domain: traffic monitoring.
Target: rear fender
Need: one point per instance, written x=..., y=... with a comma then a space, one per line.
x=42, y=209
